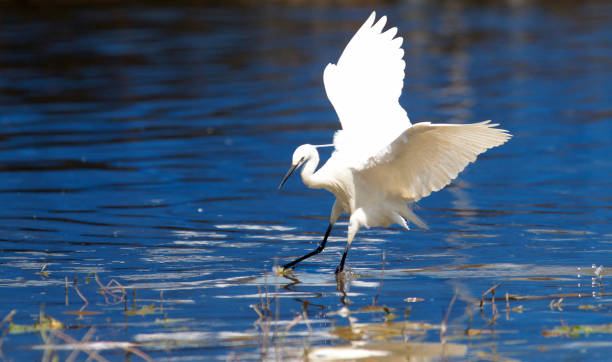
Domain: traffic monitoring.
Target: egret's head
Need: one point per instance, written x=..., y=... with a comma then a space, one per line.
x=303, y=153
x=300, y=155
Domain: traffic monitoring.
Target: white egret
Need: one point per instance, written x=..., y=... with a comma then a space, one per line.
x=382, y=163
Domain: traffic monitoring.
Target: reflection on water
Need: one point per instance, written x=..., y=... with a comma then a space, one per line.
x=141, y=148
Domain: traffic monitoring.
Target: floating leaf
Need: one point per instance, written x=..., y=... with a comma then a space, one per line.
x=46, y=323
x=147, y=309
x=81, y=312
x=373, y=309
x=589, y=307
x=383, y=330
x=577, y=331
x=476, y=332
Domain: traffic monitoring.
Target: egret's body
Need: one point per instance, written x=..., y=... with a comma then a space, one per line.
x=382, y=163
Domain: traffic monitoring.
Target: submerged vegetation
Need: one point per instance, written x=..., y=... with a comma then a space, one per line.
x=371, y=332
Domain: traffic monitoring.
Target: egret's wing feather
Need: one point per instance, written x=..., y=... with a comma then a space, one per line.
x=427, y=157
x=365, y=86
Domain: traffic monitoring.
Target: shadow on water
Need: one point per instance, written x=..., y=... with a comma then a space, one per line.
x=141, y=147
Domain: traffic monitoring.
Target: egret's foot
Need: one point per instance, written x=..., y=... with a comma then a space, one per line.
x=283, y=270
x=280, y=270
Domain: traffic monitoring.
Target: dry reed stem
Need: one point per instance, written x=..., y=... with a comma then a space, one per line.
x=139, y=353
x=445, y=320
x=85, y=338
x=66, y=338
x=80, y=294
x=382, y=277
x=482, y=298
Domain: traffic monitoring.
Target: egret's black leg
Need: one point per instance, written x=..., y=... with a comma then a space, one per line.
x=315, y=252
x=341, y=266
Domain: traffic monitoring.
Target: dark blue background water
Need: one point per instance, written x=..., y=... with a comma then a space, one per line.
x=145, y=144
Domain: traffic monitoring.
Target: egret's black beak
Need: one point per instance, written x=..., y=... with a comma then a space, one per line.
x=293, y=168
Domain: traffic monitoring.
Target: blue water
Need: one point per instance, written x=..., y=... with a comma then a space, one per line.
x=145, y=144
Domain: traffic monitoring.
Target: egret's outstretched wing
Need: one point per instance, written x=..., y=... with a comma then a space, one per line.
x=365, y=85
x=426, y=157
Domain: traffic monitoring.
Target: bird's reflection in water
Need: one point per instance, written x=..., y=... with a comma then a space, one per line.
x=343, y=280
x=370, y=331
x=293, y=281
x=343, y=283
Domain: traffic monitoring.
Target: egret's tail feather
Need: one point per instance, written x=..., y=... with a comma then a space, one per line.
x=400, y=220
x=410, y=215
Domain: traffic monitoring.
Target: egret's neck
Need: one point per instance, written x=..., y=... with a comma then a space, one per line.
x=309, y=177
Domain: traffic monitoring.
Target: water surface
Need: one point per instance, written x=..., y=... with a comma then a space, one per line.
x=141, y=148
